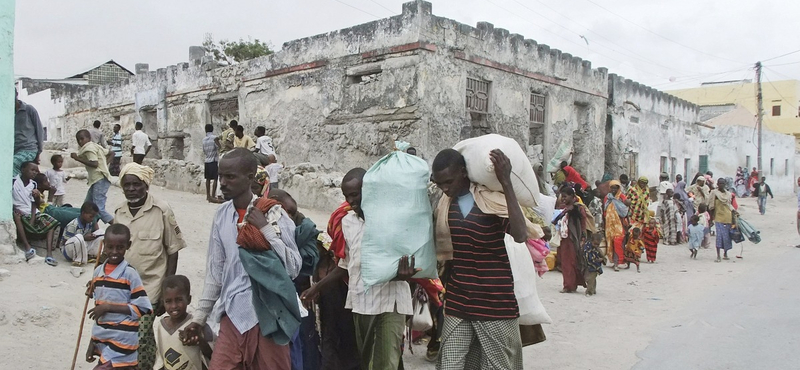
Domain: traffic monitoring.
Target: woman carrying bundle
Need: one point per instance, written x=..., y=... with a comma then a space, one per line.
x=575, y=224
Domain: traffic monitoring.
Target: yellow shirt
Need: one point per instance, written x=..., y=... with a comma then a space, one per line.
x=245, y=142
x=93, y=152
x=154, y=236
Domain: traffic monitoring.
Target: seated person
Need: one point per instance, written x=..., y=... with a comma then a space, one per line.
x=30, y=222
x=63, y=214
x=82, y=236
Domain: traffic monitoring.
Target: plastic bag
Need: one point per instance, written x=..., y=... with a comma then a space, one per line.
x=531, y=310
x=398, y=218
x=481, y=170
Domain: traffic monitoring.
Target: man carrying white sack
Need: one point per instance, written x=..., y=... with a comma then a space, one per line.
x=481, y=329
x=379, y=313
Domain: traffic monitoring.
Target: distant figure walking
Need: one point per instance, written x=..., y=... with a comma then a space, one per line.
x=761, y=191
x=140, y=144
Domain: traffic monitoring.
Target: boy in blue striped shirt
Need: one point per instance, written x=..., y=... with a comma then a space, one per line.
x=120, y=300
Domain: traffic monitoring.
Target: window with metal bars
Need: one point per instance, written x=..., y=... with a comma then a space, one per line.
x=537, y=108
x=477, y=95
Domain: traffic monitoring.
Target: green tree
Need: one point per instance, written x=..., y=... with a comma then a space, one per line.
x=231, y=52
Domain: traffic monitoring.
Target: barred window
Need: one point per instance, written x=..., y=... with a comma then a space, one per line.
x=537, y=108
x=477, y=95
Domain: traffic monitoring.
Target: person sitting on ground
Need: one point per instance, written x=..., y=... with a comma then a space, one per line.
x=273, y=171
x=171, y=353
x=696, y=234
x=379, y=313
x=140, y=144
x=594, y=263
x=241, y=140
x=634, y=248
x=120, y=301
x=82, y=237
x=264, y=145
x=211, y=158
x=572, y=175
x=95, y=158
x=30, y=222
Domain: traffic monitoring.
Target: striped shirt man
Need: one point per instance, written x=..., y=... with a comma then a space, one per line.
x=117, y=335
x=481, y=286
x=116, y=145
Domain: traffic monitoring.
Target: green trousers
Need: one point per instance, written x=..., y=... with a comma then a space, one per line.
x=378, y=338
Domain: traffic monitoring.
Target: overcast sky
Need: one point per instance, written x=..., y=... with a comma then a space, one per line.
x=664, y=44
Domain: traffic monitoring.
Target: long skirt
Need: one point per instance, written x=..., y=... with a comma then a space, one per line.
x=616, y=250
x=650, y=250
x=723, y=236
x=569, y=266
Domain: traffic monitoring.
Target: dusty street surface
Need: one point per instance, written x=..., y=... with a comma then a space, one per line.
x=677, y=307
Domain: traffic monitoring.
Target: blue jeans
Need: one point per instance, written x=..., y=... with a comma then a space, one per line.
x=762, y=204
x=97, y=195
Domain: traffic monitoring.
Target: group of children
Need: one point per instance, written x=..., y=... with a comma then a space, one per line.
x=120, y=301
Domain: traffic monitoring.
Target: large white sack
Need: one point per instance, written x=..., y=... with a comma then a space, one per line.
x=531, y=310
x=546, y=206
x=481, y=170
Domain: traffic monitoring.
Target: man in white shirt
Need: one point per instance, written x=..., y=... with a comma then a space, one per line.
x=264, y=147
x=379, y=314
x=140, y=144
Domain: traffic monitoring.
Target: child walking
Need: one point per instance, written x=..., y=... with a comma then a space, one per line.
x=594, y=263
x=171, y=353
x=705, y=221
x=634, y=248
x=651, y=235
x=696, y=234
x=120, y=300
x=57, y=178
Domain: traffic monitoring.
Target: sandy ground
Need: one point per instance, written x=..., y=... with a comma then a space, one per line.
x=42, y=305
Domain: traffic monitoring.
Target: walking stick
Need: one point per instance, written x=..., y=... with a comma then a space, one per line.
x=86, y=306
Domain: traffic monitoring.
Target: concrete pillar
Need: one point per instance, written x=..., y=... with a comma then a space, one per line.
x=8, y=251
x=142, y=68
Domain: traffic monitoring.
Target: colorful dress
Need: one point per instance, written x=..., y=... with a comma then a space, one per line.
x=633, y=251
x=639, y=201
x=650, y=236
x=573, y=227
x=614, y=229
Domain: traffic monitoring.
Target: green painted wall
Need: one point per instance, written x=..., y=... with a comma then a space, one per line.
x=6, y=105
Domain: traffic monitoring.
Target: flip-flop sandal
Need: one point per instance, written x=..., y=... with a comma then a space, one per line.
x=51, y=261
x=30, y=254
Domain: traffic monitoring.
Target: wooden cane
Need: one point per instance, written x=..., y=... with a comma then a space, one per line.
x=86, y=306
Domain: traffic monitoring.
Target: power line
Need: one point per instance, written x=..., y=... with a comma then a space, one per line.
x=659, y=35
x=789, y=102
x=781, y=56
x=356, y=8
x=381, y=5
x=784, y=64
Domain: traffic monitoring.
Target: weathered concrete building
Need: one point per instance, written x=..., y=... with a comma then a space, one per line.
x=340, y=99
x=649, y=132
x=729, y=141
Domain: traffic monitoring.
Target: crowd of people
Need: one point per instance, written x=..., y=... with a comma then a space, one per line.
x=284, y=295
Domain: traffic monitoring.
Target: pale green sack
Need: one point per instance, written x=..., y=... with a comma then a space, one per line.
x=398, y=216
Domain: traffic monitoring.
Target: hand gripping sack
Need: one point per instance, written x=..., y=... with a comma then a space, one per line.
x=398, y=217
x=481, y=170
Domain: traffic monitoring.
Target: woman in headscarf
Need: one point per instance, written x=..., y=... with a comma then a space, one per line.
x=616, y=210
x=639, y=197
x=666, y=214
x=538, y=169
x=721, y=202
x=575, y=225
x=740, y=185
x=688, y=204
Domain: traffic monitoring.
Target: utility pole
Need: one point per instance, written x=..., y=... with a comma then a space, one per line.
x=759, y=116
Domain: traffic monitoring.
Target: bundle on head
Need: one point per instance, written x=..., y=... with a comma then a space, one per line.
x=250, y=237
